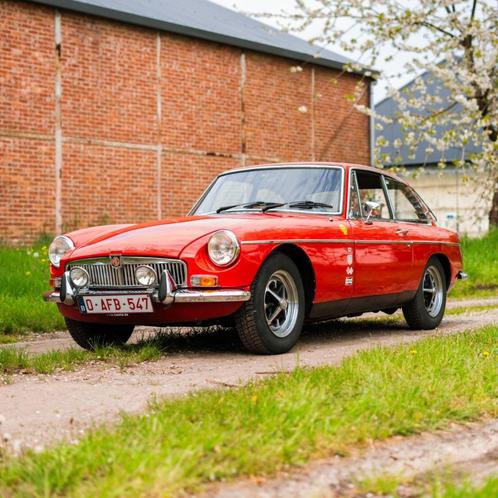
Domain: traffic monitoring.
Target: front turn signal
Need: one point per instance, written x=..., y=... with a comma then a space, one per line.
x=204, y=281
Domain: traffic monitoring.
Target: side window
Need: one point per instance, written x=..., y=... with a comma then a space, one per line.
x=405, y=203
x=371, y=188
x=354, y=200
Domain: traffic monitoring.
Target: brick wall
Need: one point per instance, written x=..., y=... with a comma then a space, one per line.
x=107, y=122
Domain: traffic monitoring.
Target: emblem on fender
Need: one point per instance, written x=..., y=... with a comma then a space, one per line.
x=115, y=261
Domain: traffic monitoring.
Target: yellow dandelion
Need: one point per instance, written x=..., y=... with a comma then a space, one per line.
x=485, y=353
x=413, y=351
x=254, y=398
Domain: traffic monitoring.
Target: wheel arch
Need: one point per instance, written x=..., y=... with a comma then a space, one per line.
x=445, y=262
x=306, y=270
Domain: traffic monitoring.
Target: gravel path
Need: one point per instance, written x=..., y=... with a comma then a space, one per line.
x=59, y=341
x=35, y=410
x=470, y=450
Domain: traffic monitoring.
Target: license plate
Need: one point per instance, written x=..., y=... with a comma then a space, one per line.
x=131, y=303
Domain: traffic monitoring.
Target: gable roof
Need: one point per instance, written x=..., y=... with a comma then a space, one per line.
x=206, y=20
x=389, y=107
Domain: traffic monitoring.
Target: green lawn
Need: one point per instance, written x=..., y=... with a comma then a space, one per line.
x=15, y=360
x=432, y=486
x=480, y=261
x=24, y=277
x=178, y=445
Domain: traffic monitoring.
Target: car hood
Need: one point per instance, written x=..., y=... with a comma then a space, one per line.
x=170, y=237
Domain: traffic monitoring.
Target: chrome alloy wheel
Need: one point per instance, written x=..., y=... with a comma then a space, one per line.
x=433, y=291
x=281, y=303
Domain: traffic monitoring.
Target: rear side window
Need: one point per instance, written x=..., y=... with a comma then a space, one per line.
x=405, y=203
x=371, y=188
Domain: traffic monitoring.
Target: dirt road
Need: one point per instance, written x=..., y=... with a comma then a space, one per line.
x=38, y=409
x=470, y=450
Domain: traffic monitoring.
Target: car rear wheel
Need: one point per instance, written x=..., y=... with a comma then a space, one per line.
x=92, y=335
x=427, y=308
x=272, y=320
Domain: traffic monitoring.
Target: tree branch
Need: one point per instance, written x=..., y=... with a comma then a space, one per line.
x=441, y=111
x=437, y=28
x=472, y=15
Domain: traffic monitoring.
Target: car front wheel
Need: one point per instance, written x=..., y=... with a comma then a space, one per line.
x=92, y=335
x=426, y=309
x=272, y=320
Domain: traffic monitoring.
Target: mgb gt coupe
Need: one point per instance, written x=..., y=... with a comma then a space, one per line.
x=266, y=249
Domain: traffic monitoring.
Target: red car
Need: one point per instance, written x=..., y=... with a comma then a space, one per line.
x=265, y=248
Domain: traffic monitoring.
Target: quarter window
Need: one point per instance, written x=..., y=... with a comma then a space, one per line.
x=405, y=203
x=354, y=199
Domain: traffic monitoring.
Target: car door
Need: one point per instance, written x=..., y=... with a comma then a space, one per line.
x=382, y=253
x=415, y=224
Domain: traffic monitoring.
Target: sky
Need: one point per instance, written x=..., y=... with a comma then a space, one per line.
x=260, y=6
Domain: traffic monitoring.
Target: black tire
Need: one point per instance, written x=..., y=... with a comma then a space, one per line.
x=418, y=313
x=256, y=334
x=91, y=335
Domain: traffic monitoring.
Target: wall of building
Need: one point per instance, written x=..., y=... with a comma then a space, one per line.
x=106, y=122
x=455, y=199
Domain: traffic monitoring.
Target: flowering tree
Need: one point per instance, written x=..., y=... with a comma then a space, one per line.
x=455, y=42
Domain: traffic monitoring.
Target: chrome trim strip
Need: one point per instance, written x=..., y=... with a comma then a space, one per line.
x=179, y=296
x=211, y=296
x=298, y=241
x=346, y=241
x=124, y=260
x=461, y=275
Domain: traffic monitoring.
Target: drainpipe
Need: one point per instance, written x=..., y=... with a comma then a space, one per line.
x=372, y=120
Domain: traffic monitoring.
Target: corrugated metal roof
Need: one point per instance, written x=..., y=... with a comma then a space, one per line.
x=206, y=20
x=389, y=107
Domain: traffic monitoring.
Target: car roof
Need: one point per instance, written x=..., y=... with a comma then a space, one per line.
x=307, y=164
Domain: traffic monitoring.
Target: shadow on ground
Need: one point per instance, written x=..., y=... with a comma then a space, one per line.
x=216, y=339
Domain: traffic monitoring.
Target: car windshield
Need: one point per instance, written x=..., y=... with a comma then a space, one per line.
x=310, y=189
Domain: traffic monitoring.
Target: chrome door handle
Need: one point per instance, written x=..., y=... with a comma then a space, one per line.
x=401, y=231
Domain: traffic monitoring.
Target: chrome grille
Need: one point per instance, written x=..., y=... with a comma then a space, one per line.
x=103, y=275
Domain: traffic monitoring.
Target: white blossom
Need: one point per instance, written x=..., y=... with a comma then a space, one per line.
x=451, y=46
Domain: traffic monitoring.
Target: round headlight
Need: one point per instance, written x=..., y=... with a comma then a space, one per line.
x=145, y=275
x=223, y=248
x=60, y=246
x=79, y=277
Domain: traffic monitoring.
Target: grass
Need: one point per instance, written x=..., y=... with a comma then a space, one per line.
x=23, y=279
x=382, y=484
x=433, y=486
x=177, y=445
x=470, y=309
x=480, y=260
x=15, y=360
x=488, y=489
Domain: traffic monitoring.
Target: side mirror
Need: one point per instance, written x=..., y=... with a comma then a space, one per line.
x=372, y=206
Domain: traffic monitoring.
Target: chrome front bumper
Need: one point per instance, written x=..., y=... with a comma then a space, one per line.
x=166, y=294
x=461, y=275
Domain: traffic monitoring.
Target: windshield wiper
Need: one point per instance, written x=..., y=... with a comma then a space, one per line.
x=299, y=205
x=250, y=205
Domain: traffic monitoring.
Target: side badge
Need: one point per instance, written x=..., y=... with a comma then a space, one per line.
x=348, y=281
x=343, y=228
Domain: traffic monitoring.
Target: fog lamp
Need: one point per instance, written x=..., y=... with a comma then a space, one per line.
x=145, y=276
x=79, y=277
